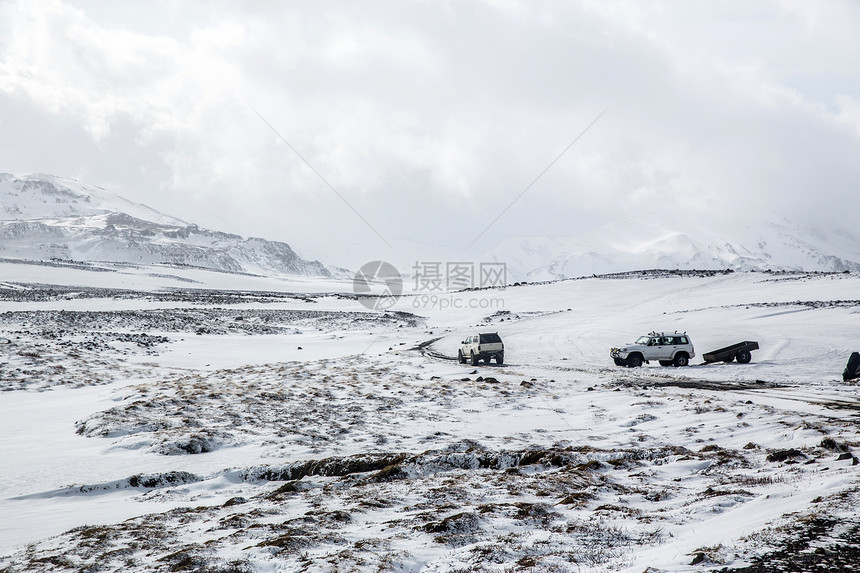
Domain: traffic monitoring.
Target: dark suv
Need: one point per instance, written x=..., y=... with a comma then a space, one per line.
x=485, y=346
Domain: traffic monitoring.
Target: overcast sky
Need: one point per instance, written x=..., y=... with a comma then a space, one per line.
x=430, y=117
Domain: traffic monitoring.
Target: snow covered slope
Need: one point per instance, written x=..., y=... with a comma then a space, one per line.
x=635, y=244
x=213, y=422
x=44, y=217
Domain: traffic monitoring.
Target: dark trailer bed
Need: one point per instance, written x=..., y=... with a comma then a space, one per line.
x=742, y=351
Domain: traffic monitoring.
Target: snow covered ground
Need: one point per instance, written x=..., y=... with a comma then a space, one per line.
x=175, y=419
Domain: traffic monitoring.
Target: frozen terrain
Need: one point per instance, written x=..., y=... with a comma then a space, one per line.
x=159, y=418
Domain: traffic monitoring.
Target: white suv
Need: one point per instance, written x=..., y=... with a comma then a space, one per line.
x=669, y=348
x=484, y=347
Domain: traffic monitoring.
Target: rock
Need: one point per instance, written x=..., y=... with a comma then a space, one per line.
x=459, y=523
x=784, y=455
x=831, y=444
x=390, y=473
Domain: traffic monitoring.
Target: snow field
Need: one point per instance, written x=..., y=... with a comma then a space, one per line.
x=238, y=452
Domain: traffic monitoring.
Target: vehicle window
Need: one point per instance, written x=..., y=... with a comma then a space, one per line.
x=490, y=338
x=643, y=340
x=682, y=340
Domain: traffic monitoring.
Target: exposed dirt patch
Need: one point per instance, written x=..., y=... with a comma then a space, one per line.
x=624, y=382
x=813, y=544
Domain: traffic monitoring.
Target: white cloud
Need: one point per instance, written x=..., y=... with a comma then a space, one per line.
x=849, y=111
x=430, y=117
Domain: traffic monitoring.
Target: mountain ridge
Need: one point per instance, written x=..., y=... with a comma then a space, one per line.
x=45, y=217
x=775, y=244
x=49, y=217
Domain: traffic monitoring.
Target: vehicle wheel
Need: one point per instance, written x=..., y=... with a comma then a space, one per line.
x=682, y=360
x=474, y=359
x=619, y=362
x=500, y=358
x=634, y=360
x=665, y=363
x=744, y=356
x=460, y=358
x=728, y=359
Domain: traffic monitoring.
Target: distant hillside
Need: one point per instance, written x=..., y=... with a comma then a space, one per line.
x=625, y=245
x=44, y=217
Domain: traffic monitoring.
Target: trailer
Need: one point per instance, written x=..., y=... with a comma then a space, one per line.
x=742, y=351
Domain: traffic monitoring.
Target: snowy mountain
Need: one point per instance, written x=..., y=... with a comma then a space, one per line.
x=44, y=217
x=629, y=244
